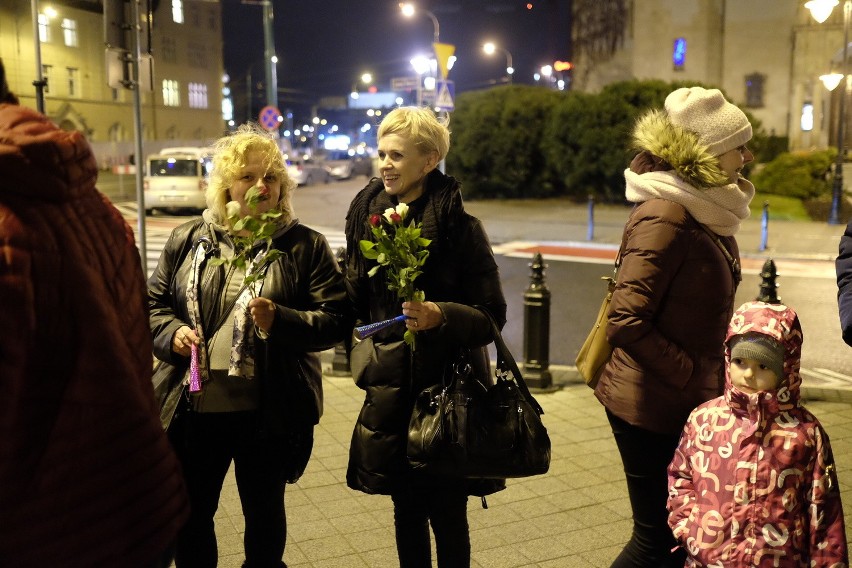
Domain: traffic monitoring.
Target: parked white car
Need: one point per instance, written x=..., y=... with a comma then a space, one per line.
x=343, y=165
x=176, y=179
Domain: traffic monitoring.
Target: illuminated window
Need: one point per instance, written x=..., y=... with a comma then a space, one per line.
x=69, y=30
x=754, y=90
x=679, y=53
x=177, y=11
x=73, y=82
x=197, y=95
x=807, y=120
x=44, y=28
x=171, y=93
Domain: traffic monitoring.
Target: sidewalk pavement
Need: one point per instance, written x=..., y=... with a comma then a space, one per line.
x=575, y=516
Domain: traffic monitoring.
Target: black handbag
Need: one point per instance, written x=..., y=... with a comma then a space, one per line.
x=460, y=428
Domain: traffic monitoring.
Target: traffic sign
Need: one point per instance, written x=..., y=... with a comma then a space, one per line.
x=445, y=93
x=443, y=52
x=269, y=117
x=399, y=84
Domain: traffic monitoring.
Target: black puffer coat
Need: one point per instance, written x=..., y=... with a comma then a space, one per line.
x=459, y=274
x=844, y=283
x=311, y=307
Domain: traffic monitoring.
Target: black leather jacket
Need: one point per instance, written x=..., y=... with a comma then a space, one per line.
x=311, y=306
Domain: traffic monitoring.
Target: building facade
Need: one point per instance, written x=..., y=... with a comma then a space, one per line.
x=767, y=55
x=184, y=107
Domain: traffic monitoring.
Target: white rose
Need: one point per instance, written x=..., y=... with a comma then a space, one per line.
x=387, y=214
x=402, y=209
x=232, y=209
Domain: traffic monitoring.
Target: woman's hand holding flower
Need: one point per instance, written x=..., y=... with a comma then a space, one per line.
x=422, y=315
x=262, y=313
x=401, y=251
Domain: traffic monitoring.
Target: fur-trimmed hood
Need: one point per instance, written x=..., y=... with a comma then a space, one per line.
x=680, y=148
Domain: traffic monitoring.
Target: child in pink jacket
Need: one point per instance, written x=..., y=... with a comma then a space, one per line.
x=753, y=481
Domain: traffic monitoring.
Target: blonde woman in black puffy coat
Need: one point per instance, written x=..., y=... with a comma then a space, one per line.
x=460, y=273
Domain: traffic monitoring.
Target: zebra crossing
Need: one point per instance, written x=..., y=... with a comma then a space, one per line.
x=158, y=229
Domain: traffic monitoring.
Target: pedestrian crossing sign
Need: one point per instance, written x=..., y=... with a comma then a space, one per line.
x=445, y=93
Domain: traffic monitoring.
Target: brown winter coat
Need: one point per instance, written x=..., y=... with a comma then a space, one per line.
x=87, y=477
x=667, y=321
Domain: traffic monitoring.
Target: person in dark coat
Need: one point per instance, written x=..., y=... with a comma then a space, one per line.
x=87, y=476
x=844, y=284
x=251, y=315
x=459, y=274
x=674, y=296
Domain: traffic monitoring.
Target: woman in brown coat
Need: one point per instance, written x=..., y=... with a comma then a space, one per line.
x=674, y=296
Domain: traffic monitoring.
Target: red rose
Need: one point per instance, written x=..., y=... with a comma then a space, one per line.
x=395, y=218
x=375, y=219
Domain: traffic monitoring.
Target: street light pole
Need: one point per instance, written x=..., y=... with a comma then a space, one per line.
x=408, y=10
x=39, y=83
x=837, y=186
x=820, y=10
x=490, y=48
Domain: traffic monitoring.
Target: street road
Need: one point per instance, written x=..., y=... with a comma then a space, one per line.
x=573, y=280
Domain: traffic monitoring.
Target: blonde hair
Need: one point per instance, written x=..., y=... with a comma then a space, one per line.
x=420, y=125
x=229, y=157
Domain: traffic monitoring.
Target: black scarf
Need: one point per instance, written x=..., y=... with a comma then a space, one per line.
x=442, y=213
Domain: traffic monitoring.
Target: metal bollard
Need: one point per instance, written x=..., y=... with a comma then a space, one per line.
x=340, y=361
x=590, y=233
x=768, y=286
x=764, y=227
x=537, y=328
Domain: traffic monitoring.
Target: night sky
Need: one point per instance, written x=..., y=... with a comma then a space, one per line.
x=323, y=46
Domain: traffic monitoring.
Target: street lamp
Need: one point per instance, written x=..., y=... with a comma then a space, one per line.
x=270, y=60
x=821, y=10
x=408, y=10
x=490, y=49
x=366, y=78
x=40, y=83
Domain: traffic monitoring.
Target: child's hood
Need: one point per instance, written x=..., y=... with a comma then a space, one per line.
x=780, y=323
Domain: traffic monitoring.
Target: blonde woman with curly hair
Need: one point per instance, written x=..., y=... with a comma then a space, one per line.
x=257, y=391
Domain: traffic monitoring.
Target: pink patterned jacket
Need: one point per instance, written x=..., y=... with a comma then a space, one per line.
x=753, y=481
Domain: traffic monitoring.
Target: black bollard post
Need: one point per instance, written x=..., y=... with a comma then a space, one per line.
x=340, y=362
x=768, y=286
x=537, y=328
x=764, y=227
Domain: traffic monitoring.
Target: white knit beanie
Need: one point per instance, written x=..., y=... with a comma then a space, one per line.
x=720, y=125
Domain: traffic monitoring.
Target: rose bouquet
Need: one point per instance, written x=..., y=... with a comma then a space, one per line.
x=401, y=251
x=247, y=232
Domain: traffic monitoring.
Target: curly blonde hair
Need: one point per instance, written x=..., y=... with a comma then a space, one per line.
x=230, y=156
x=420, y=125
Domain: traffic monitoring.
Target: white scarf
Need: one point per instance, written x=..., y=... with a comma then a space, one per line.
x=721, y=209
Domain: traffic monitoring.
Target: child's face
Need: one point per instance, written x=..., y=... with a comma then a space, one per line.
x=751, y=376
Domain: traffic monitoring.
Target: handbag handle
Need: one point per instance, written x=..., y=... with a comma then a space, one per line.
x=505, y=357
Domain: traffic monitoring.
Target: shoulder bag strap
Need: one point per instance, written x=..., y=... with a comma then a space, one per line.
x=505, y=357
